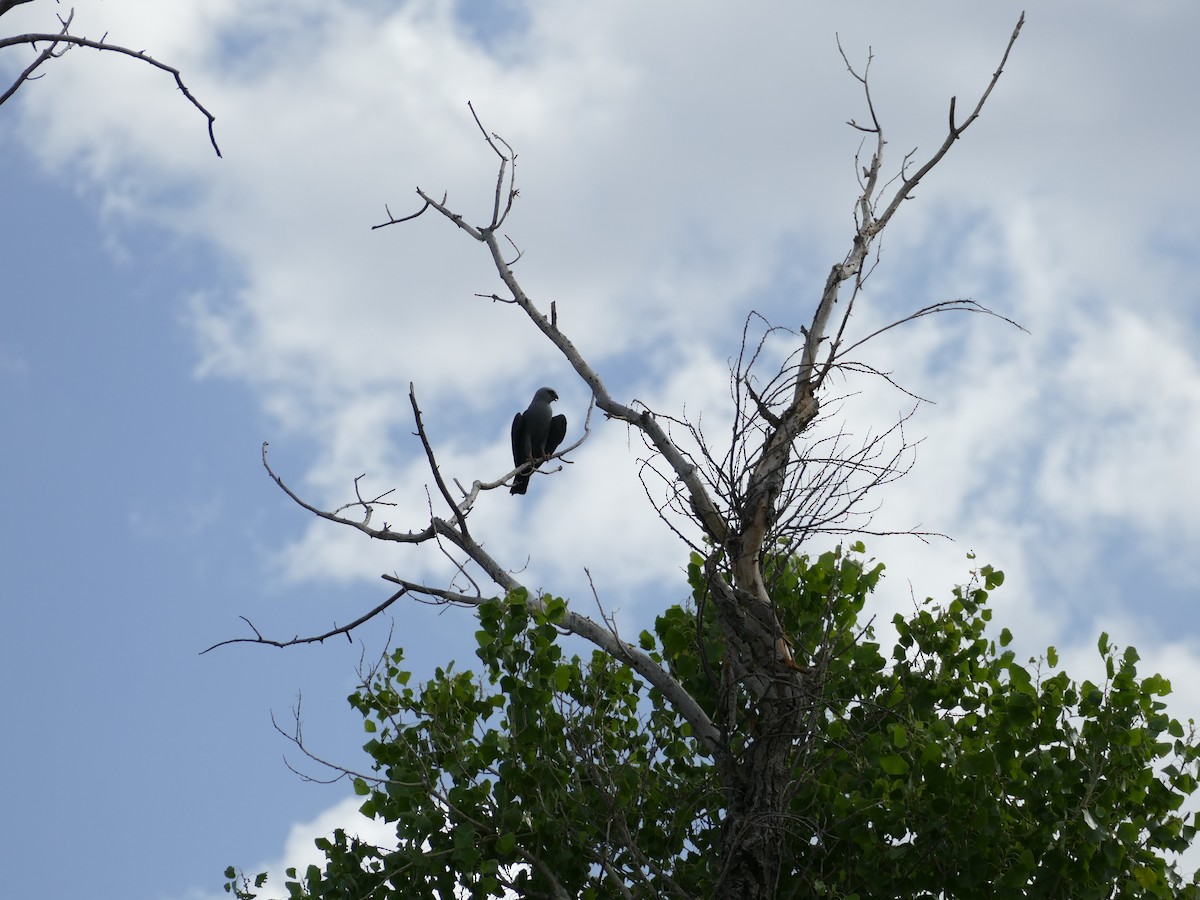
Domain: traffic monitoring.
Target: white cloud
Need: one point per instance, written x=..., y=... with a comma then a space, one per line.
x=299, y=850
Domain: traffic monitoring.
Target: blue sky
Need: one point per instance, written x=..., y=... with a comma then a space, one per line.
x=164, y=312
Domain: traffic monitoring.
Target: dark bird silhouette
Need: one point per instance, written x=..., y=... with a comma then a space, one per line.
x=536, y=434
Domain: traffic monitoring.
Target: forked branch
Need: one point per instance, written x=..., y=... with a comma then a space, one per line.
x=762, y=495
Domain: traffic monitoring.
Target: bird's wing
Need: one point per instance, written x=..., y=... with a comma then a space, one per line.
x=520, y=441
x=558, y=431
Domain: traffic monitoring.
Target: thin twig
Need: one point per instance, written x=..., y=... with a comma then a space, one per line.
x=314, y=639
x=459, y=515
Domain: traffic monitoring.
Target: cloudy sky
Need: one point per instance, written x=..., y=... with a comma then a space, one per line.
x=163, y=312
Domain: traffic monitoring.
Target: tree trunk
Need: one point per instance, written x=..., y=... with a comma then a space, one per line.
x=756, y=777
x=752, y=833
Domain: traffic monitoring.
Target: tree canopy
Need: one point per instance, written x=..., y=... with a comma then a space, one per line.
x=938, y=766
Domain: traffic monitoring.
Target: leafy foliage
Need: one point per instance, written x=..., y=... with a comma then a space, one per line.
x=946, y=768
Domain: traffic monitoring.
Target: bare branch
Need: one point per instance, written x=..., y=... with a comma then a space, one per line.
x=454, y=217
x=315, y=639
x=59, y=43
x=433, y=466
x=954, y=133
x=962, y=305
x=392, y=220
x=508, y=160
x=367, y=505
x=296, y=736
x=383, y=534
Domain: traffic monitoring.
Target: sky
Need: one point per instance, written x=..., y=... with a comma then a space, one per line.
x=164, y=312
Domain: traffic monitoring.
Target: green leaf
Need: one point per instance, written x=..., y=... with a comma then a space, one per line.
x=893, y=764
x=556, y=608
x=562, y=676
x=1156, y=685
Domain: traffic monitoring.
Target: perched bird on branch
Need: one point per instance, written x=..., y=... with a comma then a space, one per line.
x=536, y=434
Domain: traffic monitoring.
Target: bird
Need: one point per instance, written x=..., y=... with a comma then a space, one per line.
x=536, y=434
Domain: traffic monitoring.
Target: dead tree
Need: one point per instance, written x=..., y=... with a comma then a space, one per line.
x=52, y=45
x=774, y=485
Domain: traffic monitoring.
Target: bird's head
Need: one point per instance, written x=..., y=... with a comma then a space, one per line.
x=546, y=395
